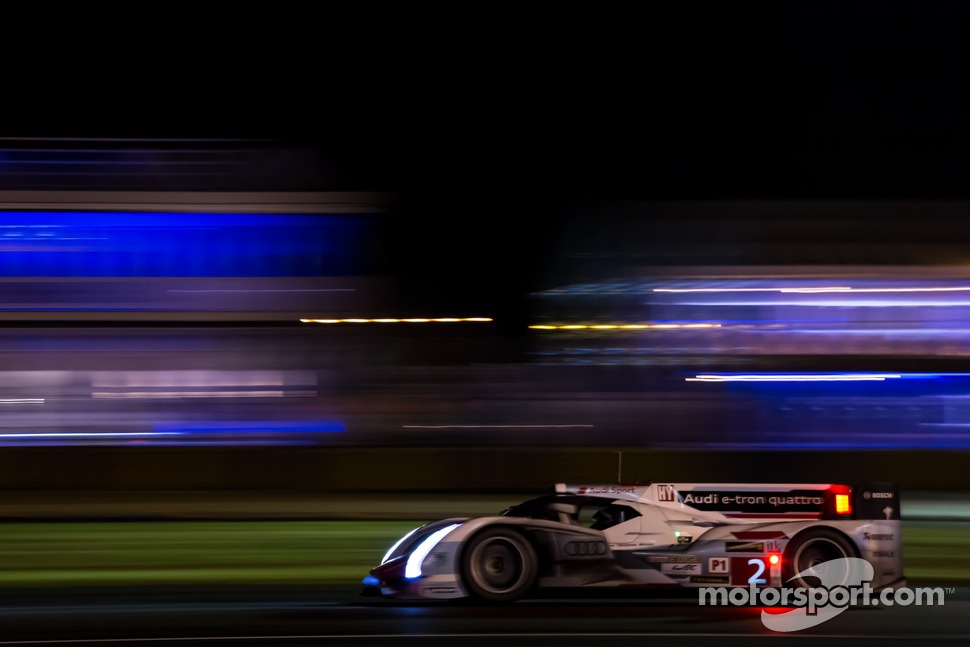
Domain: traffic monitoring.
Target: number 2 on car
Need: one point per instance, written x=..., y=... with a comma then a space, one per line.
x=749, y=570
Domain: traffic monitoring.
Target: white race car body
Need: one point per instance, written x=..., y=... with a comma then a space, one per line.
x=648, y=535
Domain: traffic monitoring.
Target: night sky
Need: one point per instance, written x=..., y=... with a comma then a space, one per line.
x=692, y=100
x=495, y=126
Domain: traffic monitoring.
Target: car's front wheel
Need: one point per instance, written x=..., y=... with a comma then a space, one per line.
x=499, y=565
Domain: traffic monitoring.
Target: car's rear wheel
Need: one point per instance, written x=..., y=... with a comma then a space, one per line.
x=499, y=565
x=811, y=549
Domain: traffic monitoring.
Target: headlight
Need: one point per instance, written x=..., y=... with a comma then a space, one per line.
x=390, y=551
x=417, y=556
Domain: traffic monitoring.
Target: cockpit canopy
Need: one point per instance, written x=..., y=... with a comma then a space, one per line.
x=590, y=512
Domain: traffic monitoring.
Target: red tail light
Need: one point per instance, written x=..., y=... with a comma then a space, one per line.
x=839, y=501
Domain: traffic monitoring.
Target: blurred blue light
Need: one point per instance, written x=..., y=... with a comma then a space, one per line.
x=250, y=427
x=177, y=244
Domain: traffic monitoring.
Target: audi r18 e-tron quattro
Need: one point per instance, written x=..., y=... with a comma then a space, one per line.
x=645, y=536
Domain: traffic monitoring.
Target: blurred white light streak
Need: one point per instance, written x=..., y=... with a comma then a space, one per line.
x=831, y=302
x=861, y=377
x=22, y=400
x=809, y=289
x=88, y=434
x=167, y=395
x=820, y=290
x=936, y=289
x=201, y=381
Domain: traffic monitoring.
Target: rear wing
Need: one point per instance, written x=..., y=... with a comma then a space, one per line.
x=759, y=500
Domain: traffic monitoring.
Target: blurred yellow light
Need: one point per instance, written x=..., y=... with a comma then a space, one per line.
x=620, y=326
x=355, y=320
x=842, y=504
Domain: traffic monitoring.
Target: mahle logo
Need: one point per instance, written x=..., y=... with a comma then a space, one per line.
x=843, y=583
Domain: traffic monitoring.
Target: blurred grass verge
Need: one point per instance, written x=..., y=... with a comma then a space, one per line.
x=936, y=552
x=189, y=552
x=299, y=552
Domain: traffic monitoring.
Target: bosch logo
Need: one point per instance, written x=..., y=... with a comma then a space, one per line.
x=877, y=495
x=585, y=548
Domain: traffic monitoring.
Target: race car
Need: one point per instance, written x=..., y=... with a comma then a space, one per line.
x=648, y=535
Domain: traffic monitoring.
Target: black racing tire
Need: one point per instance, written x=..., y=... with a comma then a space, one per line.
x=811, y=548
x=498, y=565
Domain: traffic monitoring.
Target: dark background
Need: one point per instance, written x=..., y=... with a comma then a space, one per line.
x=688, y=100
x=495, y=126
